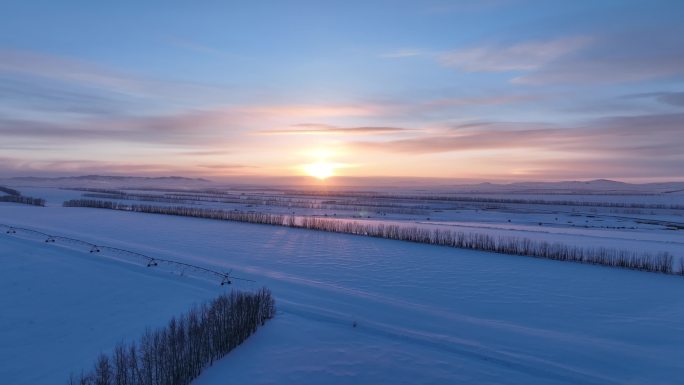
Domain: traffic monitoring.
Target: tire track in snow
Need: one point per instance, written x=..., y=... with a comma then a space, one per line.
x=472, y=350
x=431, y=310
x=464, y=348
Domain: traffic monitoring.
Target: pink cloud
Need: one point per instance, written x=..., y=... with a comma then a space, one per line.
x=326, y=129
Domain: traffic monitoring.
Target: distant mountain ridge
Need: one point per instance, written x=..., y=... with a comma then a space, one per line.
x=110, y=181
x=107, y=177
x=597, y=186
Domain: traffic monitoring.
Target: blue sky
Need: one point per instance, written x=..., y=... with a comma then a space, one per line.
x=492, y=89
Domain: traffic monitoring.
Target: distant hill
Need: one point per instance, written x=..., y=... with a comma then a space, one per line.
x=603, y=186
x=597, y=186
x=107, y=178
x=110, y=181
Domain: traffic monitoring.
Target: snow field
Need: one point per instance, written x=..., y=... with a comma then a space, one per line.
x=424, y=314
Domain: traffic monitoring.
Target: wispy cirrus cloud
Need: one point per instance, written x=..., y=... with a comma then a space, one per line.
x=667, y=97
x=598, y=167
x=525, y=56
x=486, y=100
x=672, y=98
x=191, y=127
x=441, y=142
x=64, y=69
x=326, y=129
x=225, y=166
x=70, y=166
x=47, y=166
x=445, y=7
x=46, y=96
x=315, y=110
x=405, y=52
x=34, y=69
x=196, y=127
x=623, y=136
x=195, y=46
x=617, y=58
x=209, y=153
x=628, y=56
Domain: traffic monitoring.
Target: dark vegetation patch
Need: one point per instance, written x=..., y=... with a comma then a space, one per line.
x=177, y=353
x=14, y=196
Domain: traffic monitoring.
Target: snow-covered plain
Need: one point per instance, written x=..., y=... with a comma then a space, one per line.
x=643, y=230
x=62, y=307
x=423, y=314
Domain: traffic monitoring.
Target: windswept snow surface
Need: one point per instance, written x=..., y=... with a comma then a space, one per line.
x=60, y=308
x=423, y=314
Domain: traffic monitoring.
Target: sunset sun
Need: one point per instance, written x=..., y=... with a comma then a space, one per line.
x=320, y=170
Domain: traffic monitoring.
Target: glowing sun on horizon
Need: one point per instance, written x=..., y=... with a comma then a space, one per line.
x=320, y=170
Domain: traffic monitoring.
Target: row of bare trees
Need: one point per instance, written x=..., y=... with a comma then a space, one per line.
x=23, y=200
x=93, y=203
x=365, y=197
x=661, y=262
x=177, y=353
x=14, y=196
x=258, y=200
x=137, y=197
x=238, y=216
x=97, y=190
x=480, y=199
x=9, y=191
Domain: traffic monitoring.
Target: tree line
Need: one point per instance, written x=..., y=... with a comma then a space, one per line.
x=661, y=262
x=238, y=216
x=9, y=191
x=184, y=198
x=138, y=197
x=23, y=200
x=375, y=195
x=177, y=353
x=478, y=199
x=14, y=196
